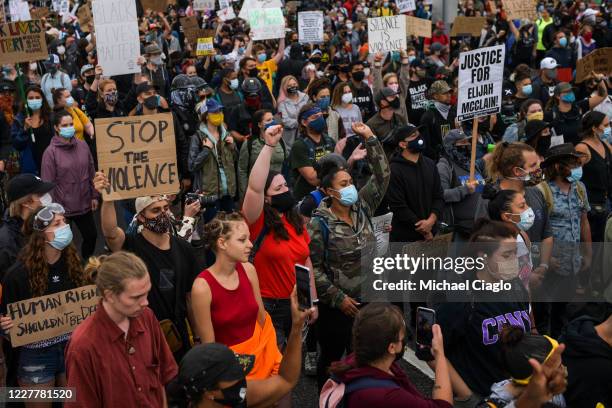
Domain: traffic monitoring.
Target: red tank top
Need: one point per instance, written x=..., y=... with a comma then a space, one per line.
x=233, y=312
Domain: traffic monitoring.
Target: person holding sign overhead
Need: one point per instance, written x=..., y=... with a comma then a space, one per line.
x=170, y=260
x=48, y=264
x=68, y=163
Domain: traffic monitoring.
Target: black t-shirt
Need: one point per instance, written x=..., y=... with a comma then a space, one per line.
x=471, y=337
x=416, y=99
x=568, y=124
x=16, y=285
x=172, y=273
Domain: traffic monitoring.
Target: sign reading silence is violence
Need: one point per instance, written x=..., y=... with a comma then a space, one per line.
x=138, y=155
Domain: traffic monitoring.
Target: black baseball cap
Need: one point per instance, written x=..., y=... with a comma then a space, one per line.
x=385, y=92
x=24, y=184
x=404, y=132
x=143, y=87
x=204, y=366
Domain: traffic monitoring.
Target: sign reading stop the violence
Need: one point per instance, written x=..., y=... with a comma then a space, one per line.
x=138, y=155
x=481, y=73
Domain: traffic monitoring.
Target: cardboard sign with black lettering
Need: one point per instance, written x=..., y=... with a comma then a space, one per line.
x=468, y=26
x=50, y=316
x=138, y=155
x=598, y=61
x=419, y=27
x=518, y=9
x=22, y=41
x=85, y=16
x=481, y=73
x=39, y=12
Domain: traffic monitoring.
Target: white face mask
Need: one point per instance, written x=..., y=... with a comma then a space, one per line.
x=61, y=50
x=33, y=66
x=347, y=98
x=366, y=71
x=507, y=270
x=46, y=200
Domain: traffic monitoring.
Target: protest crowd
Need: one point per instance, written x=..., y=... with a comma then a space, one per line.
x=169, y=168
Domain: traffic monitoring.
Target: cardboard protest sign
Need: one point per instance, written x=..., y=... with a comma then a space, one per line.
x=203, y=4
x=22, y=41
x=419, y=27
x=310, y=27
x=387, y=34
x=155, y=5
x=2, y=14
x=518, y=9
x=50, y=316
x=117, y=39
x=189, y=23
x=406, y=5
x=481, y=74
x=468, y=26
x=598, y=61
x=85, y=16
x=191, y=36
x=267, y=23
x=205, y=46
x=249, y=5
x=138, y=155
x=292, y=6
x=39, y=12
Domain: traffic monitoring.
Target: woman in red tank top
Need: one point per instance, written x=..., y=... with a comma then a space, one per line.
x=226, y=300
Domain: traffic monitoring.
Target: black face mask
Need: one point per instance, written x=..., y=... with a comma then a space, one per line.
x=253, y=73
x=282, y=202
x=398, y=356
x=234, y=396
x=90, y=79
x=395, y=103
x=292, y=90
x=151, y=102
x=358, y=76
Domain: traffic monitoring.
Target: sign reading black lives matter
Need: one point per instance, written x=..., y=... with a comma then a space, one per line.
x=481, y=73
x=138, y=155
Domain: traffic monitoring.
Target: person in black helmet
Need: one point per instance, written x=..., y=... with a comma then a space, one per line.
x=248, y=71
x=240, y=118
x=182, y=101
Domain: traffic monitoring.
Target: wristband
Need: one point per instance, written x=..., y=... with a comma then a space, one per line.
x=269, y=145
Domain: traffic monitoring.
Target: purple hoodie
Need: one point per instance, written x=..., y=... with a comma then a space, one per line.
x=70, y=166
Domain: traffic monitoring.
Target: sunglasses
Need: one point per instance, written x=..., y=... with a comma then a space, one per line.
x=44, y=216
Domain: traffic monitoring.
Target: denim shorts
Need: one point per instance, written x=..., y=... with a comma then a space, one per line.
x=41, y=366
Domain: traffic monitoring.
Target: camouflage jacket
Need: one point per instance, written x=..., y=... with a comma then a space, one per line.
x=336, y=253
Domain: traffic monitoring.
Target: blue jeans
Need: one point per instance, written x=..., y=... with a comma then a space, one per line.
x=41, y=366
x=280, y=313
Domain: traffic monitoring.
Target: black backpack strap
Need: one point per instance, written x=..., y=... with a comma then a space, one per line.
x=257, y=243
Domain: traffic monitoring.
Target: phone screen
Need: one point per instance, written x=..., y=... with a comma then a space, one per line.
x=425, y=319
x=302, y=281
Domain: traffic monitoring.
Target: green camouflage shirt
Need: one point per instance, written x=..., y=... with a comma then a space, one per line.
x=337, y=269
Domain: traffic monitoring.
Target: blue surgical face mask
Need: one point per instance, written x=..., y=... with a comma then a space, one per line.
x=568, y=97
x=527, y=89
x=605, y=136
x=35, y=104
x=69, y=101
x=563, y=42
x=318, y=125
x=527, y=219
x=575, y=175
x=411, y=58
x=270, y=124
x=395, y=56
x=63, y=238
x=348, y=195
x=262, y=58
x=323, y=103
x=234, y=84
x=67, y=132
x=241, y=50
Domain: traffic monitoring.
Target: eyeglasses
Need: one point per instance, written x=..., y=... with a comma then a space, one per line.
x=44, y=216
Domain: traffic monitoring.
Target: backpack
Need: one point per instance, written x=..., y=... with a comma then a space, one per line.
x=335, y=392
x=544, y=188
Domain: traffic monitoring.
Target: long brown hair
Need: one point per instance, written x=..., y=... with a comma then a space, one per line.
x=33, y=257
